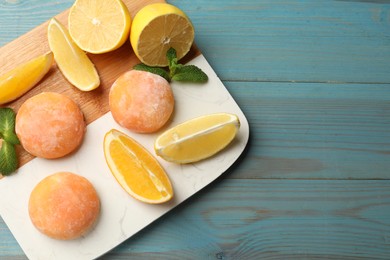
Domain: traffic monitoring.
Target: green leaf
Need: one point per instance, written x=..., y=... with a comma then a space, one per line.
x=8, y=158
x=177, y=71
x=7, y=120
x=173, y=63
x=156, y=70
x=11, y=138
x=190, y=73
x=172, y=58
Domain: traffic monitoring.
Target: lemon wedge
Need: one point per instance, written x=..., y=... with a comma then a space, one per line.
x=21, y=79
x=135, y=169
x=158, y=27
x=198, y=138
x=99, y=26
x=73, y=62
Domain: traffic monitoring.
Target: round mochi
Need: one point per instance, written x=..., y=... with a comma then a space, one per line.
x=50, y=125
x=141, y=101
x=64, y=206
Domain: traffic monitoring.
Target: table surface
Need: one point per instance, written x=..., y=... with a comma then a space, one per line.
x=313, y=79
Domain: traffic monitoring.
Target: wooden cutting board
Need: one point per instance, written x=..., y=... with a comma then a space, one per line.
x=110, y=65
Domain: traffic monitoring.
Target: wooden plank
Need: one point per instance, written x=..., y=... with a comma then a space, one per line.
x=309, y=41
x=315, y=130
x=276, y=219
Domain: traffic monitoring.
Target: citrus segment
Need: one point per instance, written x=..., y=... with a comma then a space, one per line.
x=158, y=27
x=74, y=64
x=136, y=170
x=198, y=138
x=99, y=26
x=21, y=79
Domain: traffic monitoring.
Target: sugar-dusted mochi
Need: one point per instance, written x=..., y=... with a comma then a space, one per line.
x=50, y=125
x=141, y=101
x=64, y=206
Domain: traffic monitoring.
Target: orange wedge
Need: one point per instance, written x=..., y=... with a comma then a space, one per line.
x=136, y=170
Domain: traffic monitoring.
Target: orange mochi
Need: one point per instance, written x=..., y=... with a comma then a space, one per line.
x=64, y=206
x=141, y=101
x=50, y=125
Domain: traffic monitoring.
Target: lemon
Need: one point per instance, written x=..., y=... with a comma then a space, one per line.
x=136, y=170
x=198, y=138
x=158, y=27
x=99, y=26
x=73, y=62
x=21, y=79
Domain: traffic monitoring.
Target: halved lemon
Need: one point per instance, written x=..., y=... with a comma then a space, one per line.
x=73, y=62
x=158, y=27
x=136, y=170
x=21, y=79
x=198, y=138
x=99, y=26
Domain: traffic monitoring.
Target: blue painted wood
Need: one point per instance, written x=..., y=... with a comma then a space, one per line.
x=315, y=130
x=313, y=79
x=309, y=41
x=272, y=219
x=267, y=219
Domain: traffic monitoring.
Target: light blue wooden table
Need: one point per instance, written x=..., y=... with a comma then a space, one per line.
x=313, y=78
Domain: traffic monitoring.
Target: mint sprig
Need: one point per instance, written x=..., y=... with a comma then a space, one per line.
x=189, y=73
x=156, y=70
x=8, y=156
x=177, y=71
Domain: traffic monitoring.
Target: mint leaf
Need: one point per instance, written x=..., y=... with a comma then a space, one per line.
x=172, y=58
x=156, y=70
x=177, y=71
x=11, y=138
x=7, y=120
x=190, y=73
x=8, y=158
x=173, y=63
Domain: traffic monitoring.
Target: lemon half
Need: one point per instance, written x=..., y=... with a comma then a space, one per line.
x=158, y=27
x=99, y=26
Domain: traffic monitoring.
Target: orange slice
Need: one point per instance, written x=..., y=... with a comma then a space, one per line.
x=136, y=170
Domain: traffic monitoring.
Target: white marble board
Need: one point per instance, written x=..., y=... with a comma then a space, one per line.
x=121, y=215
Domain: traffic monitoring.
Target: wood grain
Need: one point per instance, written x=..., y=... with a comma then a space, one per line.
x=294, y=41
x=269, y=219
x=110, y=65
x=315, y=130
